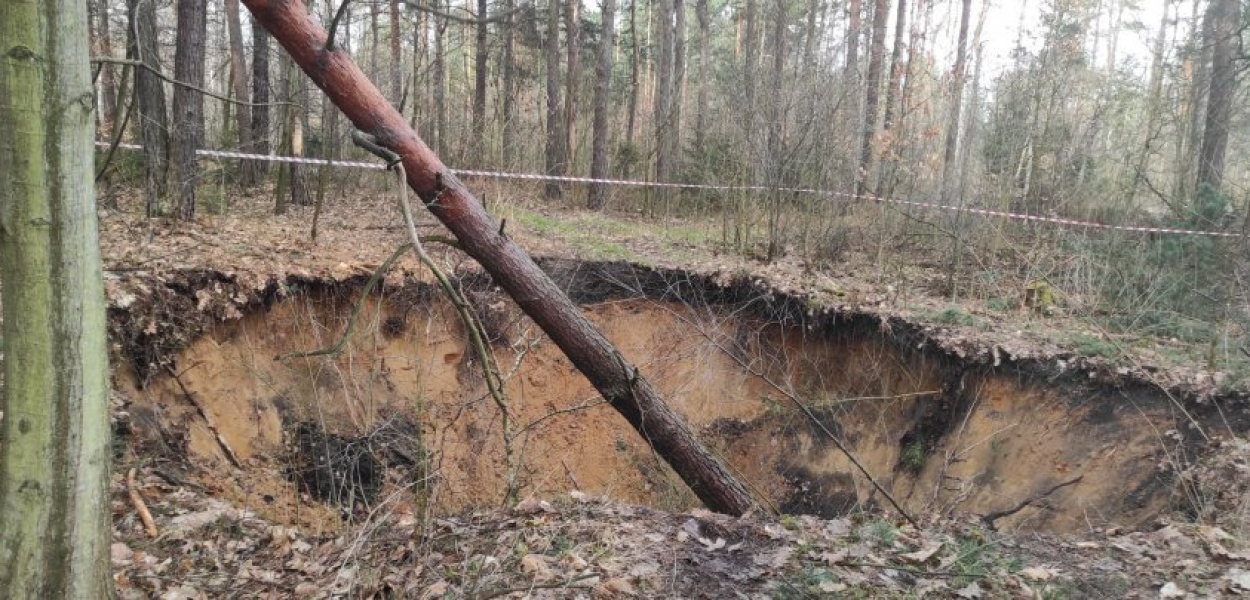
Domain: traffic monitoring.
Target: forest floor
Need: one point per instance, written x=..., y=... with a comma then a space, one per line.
x=593, y=547
x=583, y=547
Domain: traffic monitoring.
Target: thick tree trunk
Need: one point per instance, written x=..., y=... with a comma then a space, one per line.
x=150, y=94
x=876, y=54
x=260, y=93
x=1225, y=17
x=446, y=197
x=555, y=137
x=54, y=463
x=188, y=122
x=238, y=71
x=603, y=88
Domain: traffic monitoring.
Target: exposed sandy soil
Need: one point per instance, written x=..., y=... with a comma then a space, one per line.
x=959, y=423
x=943, y=437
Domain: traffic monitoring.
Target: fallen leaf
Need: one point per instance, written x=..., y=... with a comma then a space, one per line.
x=536, y=565
x=712, y=546
x=1037, y=573
x=971, y=591
x=775, y=559
x=923, y=554
x=1171, y=590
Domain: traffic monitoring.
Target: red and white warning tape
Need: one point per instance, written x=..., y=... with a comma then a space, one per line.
x=697, y=186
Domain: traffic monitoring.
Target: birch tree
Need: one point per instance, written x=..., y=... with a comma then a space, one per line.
x=54, y=462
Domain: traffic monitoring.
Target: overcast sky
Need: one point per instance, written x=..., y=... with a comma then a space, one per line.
x=1002, y=28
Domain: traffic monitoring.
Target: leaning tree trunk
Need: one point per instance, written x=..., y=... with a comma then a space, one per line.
x=54, y=462
x=188, y=131
x=480, y=235
x=603, y=86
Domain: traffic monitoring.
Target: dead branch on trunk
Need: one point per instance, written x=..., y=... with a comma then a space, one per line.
x=512, y=269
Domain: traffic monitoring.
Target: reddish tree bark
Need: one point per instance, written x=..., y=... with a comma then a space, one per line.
x=481, y=237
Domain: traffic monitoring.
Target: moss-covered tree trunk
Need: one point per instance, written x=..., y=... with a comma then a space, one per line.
x=54, y=437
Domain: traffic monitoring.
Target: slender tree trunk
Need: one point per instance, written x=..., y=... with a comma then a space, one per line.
x=188, y=122
x=1225, y=16
x=957, y=94
x=952, y=144
x=481, y=53
x=108, y=83
x=620, y=383
x=555, y=137
x=373, y=30
x=854, y=28
x=54, y=467
x=893, y=91
x=260, y=93
x=440, y=81
x=573, y=30
x=700, y=118
x=663, y=101
x=876, y=54
x=150, y=94
x=1154, y=103
x=282, y=190
x=809, y=37
x=774, y=159
x=603, y=88
x=397, y=56
x=418, y=86
x=301, y=191
x=633, y=71
x=509, y=85
x=679, y=83
x=749, y=63
x=238, y=72
x=1199, y=57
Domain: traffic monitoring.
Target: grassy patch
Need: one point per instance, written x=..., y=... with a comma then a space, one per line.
x=952, y=315
x=913, y=457
x=1088, y=345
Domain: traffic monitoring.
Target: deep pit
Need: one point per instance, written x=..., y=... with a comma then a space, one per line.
x=319, y=439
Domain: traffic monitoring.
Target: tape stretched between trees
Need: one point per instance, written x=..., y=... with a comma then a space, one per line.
x=374, y=166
